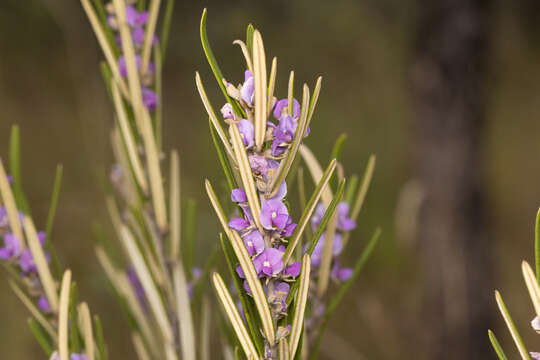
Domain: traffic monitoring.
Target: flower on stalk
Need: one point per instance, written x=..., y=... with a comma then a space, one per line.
x=269, y=262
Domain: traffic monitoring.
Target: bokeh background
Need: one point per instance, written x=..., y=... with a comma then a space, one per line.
x=368, y=52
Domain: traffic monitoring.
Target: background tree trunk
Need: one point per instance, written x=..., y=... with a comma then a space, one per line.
x=448, y=82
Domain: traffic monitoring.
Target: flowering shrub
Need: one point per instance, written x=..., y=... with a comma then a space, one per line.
x=277, y=258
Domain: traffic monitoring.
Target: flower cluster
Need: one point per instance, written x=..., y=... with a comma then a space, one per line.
x=343, y=226
x=56, y=356
x=137, y=23
x=12, y=253
x=265, y=243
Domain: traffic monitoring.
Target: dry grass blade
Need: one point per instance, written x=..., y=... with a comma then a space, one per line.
x=245, y=174
x=234, y=317
x=245, y=52
x=212, y=115
x=47, y=280
x=152, y=294
x=34, y=310
x=260, y=89
x=316, y=172
x=102, y=39
x=532, y=286
x=271, y=86
x=175, y=205
x=300, y=305
x=85, y=323
x=9, y=203
x=183, y=308
x=511, y=327
x=129, y=141
x=149, y=34
x=257, y=291
x=321, y=188
x=63, y=311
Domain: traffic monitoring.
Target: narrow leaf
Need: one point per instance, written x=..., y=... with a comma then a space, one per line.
x=271, y=86
x=40, y=261
x=223, y=159
x=511, y=327
x=175, y=205
x=50, y=219
x=85, y=321
x=41, y=336
x=283, y=349
x=260, y=89
x=15, y=169
x=185, y=319
x=214, y=65
x=164, y=38
x=150, y=30
x=537, y=245
x=63, y=317
x=9, y=203
x=532, y=286
x=496, y=346
x=234, y=317
x=300, y=306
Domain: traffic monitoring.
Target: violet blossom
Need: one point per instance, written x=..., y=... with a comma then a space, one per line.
x=269, y=262
x=274, y=215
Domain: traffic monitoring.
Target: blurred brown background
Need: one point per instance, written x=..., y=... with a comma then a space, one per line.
x=368, y=52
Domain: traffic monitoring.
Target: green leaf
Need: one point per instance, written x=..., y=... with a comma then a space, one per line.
x=223, y=159
x=248, y=306
x=496, y=346
x=107, y=76
x=512, y=327
x=98, y=329
x=215, y=67
x=189, y=234
x=41, y=336
x=351, y=189
x=74, y=337
x=337, y=151
x=164, y=39
x=336, y=300
x=249, y=39
x=102, y=15
x=338, y=147
x=15, y=169
x=50, y=220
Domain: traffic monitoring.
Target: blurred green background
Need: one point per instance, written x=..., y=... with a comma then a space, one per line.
x=51, y=86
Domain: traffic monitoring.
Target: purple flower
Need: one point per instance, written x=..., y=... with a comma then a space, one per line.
x=43, y=304
x=247, y=132
x=4, y=221
x=274, y=214
x=150, y=99
x=12, y=247
x=227, y=111
x=535, y=355
x=341, y=274
x=26, y=262
x=238, y=224
x=281, y=109
x=283, y=135
x=78, y=357
x=289, y=229
x=535, y=323
x=293, y=270
x=246, y=92
x=254, y=242
x=259, y=165
x=337, y=246
x=238, y=196
x=279, y=296
x=269, y=262
x=344, y=222
x=122, y=67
